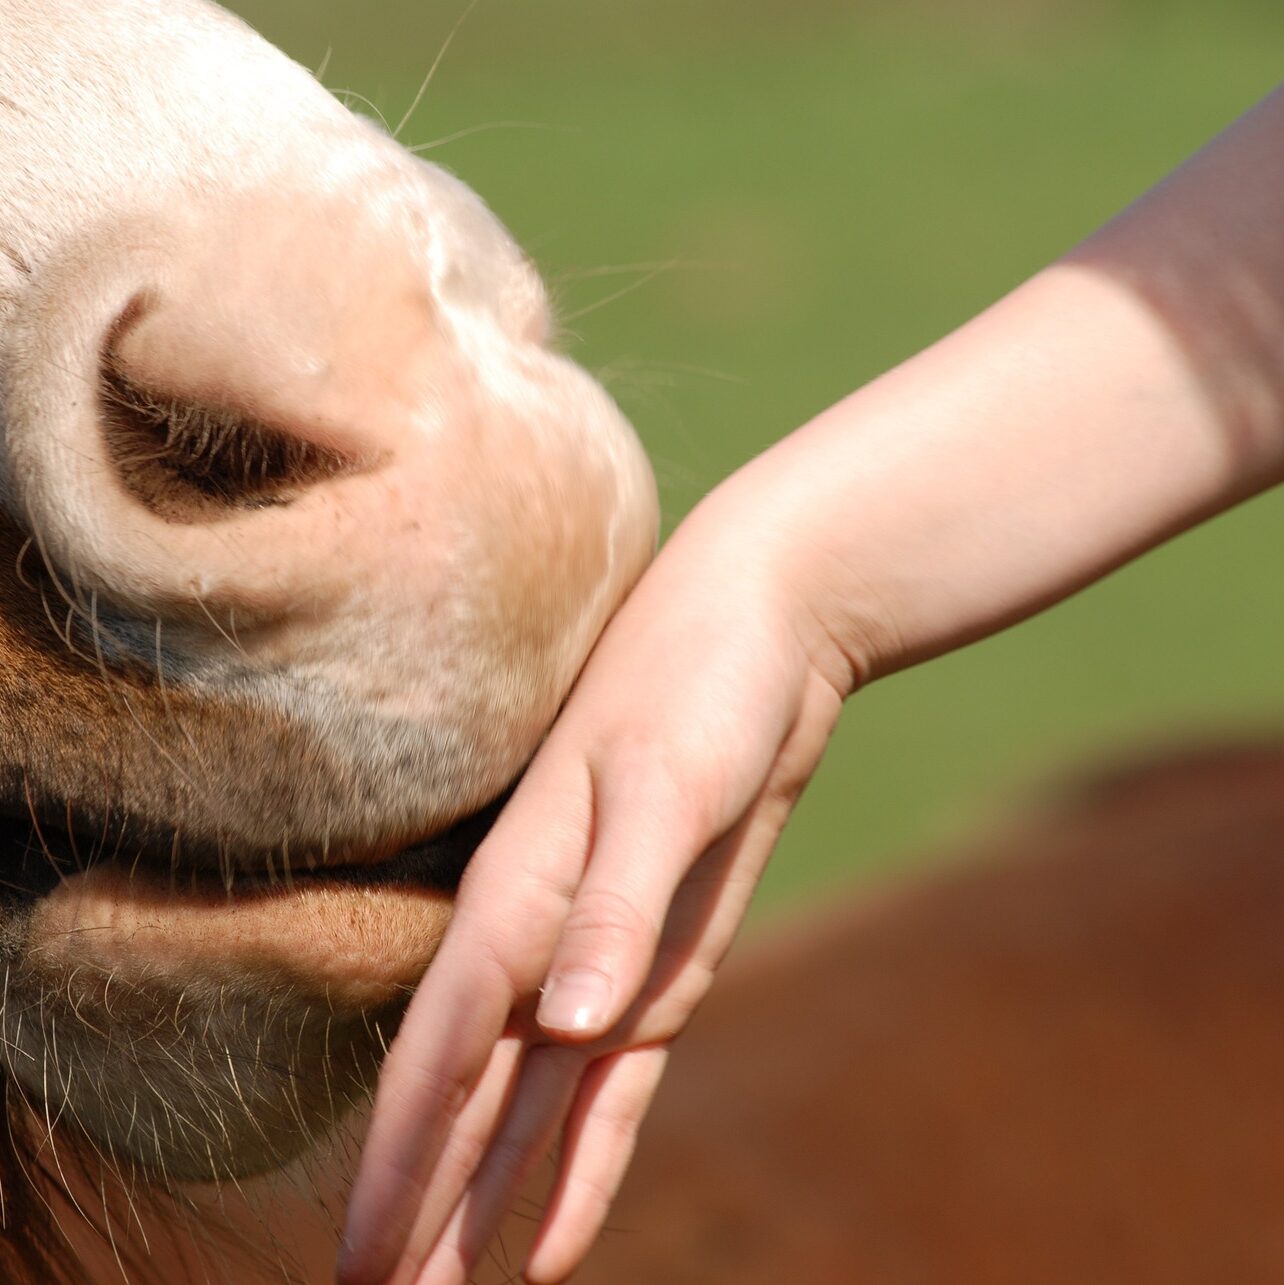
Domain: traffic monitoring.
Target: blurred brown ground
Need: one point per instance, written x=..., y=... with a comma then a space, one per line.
x=1061, y=1060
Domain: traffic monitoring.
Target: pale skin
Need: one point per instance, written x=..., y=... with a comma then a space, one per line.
x=1124, y=393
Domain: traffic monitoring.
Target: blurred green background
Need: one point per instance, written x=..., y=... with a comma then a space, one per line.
x=747, y=208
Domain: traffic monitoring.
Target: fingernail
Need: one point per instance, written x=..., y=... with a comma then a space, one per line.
x=574, y=1002
x=356, y=1265
x=366, y=1253
x=351, y=1265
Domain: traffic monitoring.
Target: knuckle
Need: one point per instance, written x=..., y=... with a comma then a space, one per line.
x=619, y=1127
x=511, y=1160
x=464, y=1154
x=609, y=919
x=596, y=1193
x=694, y=983
x=427, y=1091
x=696, y=800
x=680, y=793
x=684, y=983
x=494, y=957
x=536, y=899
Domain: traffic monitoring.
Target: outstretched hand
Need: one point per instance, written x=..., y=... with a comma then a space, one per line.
x=590, y=922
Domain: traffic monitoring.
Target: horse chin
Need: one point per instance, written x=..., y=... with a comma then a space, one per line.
x=210, y=1028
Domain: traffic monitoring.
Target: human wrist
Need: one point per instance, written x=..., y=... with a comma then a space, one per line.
x=1050, y=439
x=770, y=526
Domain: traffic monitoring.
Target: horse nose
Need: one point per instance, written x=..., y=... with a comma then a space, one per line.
x=308, y=446
x=220, y=415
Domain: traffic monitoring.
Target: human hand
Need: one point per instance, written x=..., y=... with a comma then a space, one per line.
x=613, y=882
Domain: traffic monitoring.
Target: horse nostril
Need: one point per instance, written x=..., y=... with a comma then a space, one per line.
x=189, y=461
x=197, y=425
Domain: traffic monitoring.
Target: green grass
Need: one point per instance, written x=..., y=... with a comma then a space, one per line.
x=830, y=193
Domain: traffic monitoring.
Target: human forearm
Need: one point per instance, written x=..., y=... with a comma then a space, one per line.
x=1117, y=397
